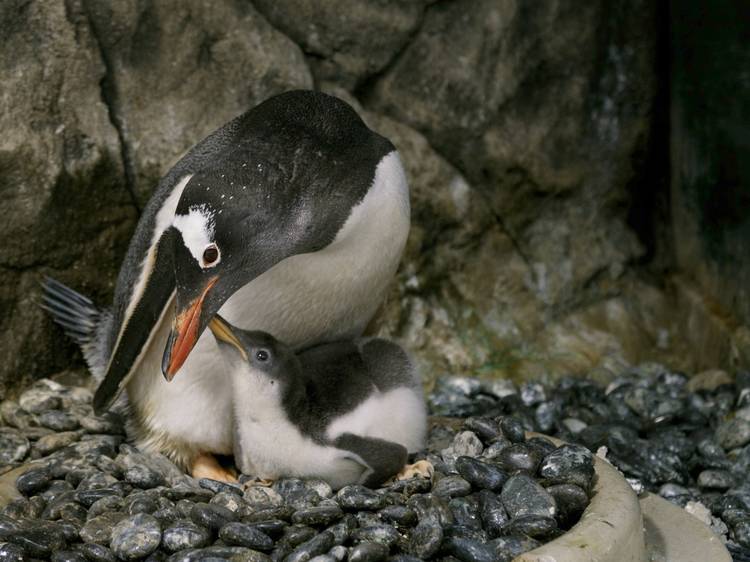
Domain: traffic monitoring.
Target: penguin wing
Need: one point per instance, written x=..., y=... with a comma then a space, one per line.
x=145, y=285
x=382, y=459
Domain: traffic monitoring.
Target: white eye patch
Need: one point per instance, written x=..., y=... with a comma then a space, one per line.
x=197, y=229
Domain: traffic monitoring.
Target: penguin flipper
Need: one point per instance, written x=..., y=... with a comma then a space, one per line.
x=382, y=458
x=139, y=327
x=80, y=319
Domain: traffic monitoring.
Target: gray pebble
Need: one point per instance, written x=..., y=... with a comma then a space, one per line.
x=522, y=495
x=357, y=497
x=519, y=456
x=184, y=534
x=319, y=544
x=217, y=486
x=733, y=433
x=11, y=553
x=534, y=526
x=451, y=486
x=58, y=420
x=239, y=534
x=39, y=540
x=400, y=514
x=37, y=400
x=99, y=529
x=67, y=556
x=318, y=515
x=143, y=477
x=96, y=552
x=571, y=501
x=492, y=513
x=468, y=550
x=571, y=464
x=211, y=516
x=380, y=533
x=33, y=481
x=135, y=537
x=13, y=446
x=368, y=552
x=56, y=441
x=480, y=474
x=716, y=479
x=426, y=537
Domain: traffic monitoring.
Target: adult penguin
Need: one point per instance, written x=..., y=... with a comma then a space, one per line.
x=290, y=219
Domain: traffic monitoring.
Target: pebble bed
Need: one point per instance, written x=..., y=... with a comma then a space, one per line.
x=686, y=439
x=93, y=497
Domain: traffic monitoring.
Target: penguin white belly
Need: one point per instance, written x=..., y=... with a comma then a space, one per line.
x=397, y=415
x=188, y=414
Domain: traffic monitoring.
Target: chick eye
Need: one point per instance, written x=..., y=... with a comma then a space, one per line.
x=210, y=255
x=261, y=355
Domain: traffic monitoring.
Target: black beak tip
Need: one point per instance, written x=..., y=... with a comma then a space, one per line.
x=166, y=359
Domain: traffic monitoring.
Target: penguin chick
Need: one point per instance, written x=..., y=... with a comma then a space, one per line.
x=348, y=412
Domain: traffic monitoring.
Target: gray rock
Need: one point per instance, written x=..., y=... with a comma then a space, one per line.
x=33, y=481
x=318, y=515
x=99, y=529
x=13, y=446
x=426, y=537
x=381, y=533
x=368, y=552
x=135, y=537
x=239, y=534
x=56, y=441
x=573, y=464
x=96, y=552
x=143, y=477
x=357, y=497
x=319, y=544
x=184, y=534
x=522, y=495
x=733, y=433
x=211, y=516
x=58, y=420
x=451, y=486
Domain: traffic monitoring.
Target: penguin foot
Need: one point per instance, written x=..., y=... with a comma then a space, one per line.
x=205, y=465
x=257, y=481
x=423, y=469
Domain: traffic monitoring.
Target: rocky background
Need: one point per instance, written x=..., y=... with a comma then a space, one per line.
x=551, y=234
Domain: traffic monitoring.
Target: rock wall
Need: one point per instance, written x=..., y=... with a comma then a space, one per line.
x=524, y=127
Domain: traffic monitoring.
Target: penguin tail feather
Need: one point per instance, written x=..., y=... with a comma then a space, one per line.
x=76, y=314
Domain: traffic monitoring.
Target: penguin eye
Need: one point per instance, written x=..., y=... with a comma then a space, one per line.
x=210, y=255
x=261, y=355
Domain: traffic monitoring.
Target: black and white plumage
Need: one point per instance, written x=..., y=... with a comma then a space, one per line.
x=346, y=411
x=290, y=219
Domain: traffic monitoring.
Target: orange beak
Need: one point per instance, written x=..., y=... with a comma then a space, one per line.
x=184, y=334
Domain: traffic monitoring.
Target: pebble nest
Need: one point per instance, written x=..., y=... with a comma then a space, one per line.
x=684, y=438
x=92, y=496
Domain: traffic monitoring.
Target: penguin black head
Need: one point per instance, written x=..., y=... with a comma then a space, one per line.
x=302, y=161
x=257, y=353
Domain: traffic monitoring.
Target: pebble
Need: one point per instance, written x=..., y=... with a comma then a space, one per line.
x=522, y=495
x=33, y=481
x=67, y=556
x=570, y=500
x=468, y=550
x=12, y=553
x=240, y=534
x=569, y=464
x=211, y=516
x=99, y=529
x=399, y=514
x=492, y=512
x=480, y=474
x=716, y=479
x=96, y=552
x=39, y=540
x=381, y=533
x=356, y=497
x=426, y=537
x=55, y=441
x=13, y=446
x=733, y=433
x=319, y=515
x=519, y=456
x=368, y=552
x=184, y=534
x=135, y=537
x=143, y=477
x=319, y=544
x=451, y=486
x=58, y=420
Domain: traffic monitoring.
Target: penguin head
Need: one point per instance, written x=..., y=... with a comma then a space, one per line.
x=271, y=365
x=301, y=163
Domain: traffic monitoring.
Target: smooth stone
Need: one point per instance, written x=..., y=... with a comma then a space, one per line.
x=232, y=501
x=381, y=533
x=167, y=515
x=487, y=429
x=534, y=526
x=143, y=477
x=522, y=495
x=211, y=516
x=532, y=393
x=12, y=553
x=15, y=416
x=492, y=512
x=33, y=481
x=56, y=441
x=240, y=534
x=96, y=480
x=465, y=443
x=104, y=424
x=183, y=492
x=67, y=556
x=318, y=515
x=320, y=487
x=217, y=486
x=733, y=433
x=39, y=540
x=451, y=486
x=96, y=552
x=507, y=548
x=519, y=456
x=568, y=464
x=109, y=502
x=13, y=446
x=426, y=537
x=399, y=514
x=466, y=512
x=494, y=449
x=480, y=474
x=135, y=537
x=184, y=534
x=99, y=529
x=37, y=400
x=571, y=501
x=716, y=479
x=356, y=497
x=294, y=535
x=89, y=497
x=58, y=420
x=368, y=552
x=468, y=550
x=141, y=505
x=741, y=533
x=513, y=429
x=262, y=495
x=320, y=544
x=411, y=486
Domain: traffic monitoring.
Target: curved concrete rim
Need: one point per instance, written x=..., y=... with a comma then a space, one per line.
x=610, y=529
